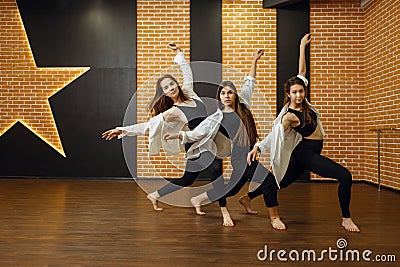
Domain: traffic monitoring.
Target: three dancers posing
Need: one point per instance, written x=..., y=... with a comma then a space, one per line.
x=295, y=142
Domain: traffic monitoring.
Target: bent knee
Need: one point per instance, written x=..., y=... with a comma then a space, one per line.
x=346, y=176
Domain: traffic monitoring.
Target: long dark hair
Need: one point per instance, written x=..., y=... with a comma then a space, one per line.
x=160, y=102
x=306, y=108
x=247, y=134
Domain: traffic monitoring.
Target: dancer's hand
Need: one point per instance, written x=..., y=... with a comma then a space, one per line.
x=306, y=40
x=258, y=54
x=110, y=134
x=252, y=155
x=174, y=47
x=271, y=170
x=169, y=136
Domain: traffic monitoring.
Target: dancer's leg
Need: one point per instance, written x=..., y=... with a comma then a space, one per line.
x=193, y=168
x=245, y=201
x=269, y=189
x=215, y=172
x=240, y=175
x=218, y=192
x=325, y=167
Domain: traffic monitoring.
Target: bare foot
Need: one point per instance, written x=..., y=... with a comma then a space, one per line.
x=227, y=220
x=196, y=202
x=246, y=203
x=277, y=223
x=154, y=202
x=349, y=225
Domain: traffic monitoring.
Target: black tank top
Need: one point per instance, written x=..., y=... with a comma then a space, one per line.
x=230, y=127
x=305, y=129
x=194, y=115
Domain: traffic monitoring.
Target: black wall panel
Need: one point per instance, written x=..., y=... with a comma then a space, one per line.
x=74, y=33
x=206, y=43
x=292, y=23
x=278, y=3
x=81, y=33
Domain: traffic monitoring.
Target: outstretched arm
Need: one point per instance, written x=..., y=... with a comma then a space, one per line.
x=110, y=134
x=306, y=40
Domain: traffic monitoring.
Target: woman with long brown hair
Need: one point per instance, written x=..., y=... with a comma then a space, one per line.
x=174, y=107
x=235, y=121
x=295, y=145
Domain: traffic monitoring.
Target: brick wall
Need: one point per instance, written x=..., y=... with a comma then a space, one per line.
x=246, y=27
x=337, y=79
x=382, y=90
x=158, y=23
x=354, y=72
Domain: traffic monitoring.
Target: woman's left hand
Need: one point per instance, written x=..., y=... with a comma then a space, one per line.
x=258, y=54
x=169, y=136
x=306, y=40
x=252, y=155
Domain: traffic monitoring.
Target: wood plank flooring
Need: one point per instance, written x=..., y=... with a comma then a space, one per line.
x=111, y=223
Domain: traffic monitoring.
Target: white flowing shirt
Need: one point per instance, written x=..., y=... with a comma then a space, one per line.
x=157, y=123
x=206, y=134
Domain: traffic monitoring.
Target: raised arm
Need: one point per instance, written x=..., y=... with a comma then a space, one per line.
x=187, y=86
x=257, y=55
x=174, y=47
x=306, y=40
x=249, y=81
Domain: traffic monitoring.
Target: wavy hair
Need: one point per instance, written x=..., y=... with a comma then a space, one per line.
x=161, y=102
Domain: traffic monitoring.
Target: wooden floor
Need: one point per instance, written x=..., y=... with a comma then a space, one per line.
x=110, y=223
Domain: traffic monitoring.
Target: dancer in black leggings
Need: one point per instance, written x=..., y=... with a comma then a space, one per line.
x=233, y=119
x=296, y=143
x=206, y=160
x=174, y=107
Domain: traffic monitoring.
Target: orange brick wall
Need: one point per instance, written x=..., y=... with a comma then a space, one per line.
x=382, y=90
x=246, y=27
x=354, y=72
x=337, y=79
x=242, y=35
x=158, y=23
x=354, y=75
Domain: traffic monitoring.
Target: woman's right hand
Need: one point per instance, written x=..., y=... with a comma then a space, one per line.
x=110, y=134
x=174, y=47
x=258, y=54
x=306, y=40
x=252, y=155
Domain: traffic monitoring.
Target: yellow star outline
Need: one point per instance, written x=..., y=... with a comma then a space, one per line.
x=25, y=88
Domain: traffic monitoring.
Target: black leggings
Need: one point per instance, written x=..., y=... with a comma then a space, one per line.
x=307, y=157
x=206, y=161
x=241, y=173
